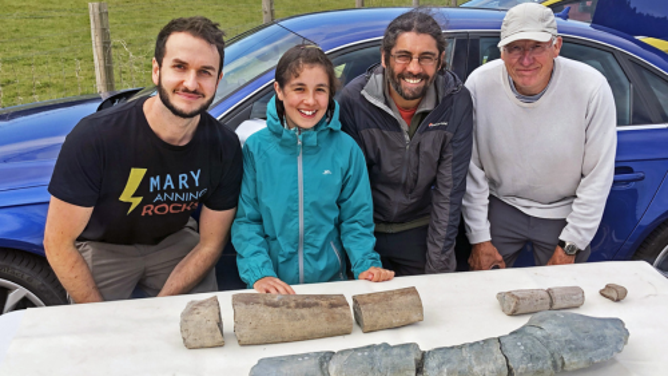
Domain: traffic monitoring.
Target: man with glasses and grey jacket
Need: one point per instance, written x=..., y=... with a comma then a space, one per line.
x=413, y=121
x=543, y=149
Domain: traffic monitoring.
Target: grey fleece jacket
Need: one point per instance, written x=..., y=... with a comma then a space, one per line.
x=420, y=176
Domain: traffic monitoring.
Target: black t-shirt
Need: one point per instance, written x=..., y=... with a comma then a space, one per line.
x=144, y=189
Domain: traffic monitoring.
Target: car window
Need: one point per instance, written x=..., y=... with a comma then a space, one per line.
x=603, y=61
x=606, y=63
x=247, y=58
x=581, y=10
x=347, y=66
x=656, y=86
x=496, y=4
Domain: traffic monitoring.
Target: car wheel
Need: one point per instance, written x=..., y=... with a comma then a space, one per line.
x=655, y=249
x=27, y=281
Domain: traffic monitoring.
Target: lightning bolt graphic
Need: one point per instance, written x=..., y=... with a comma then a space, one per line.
x=136, y=176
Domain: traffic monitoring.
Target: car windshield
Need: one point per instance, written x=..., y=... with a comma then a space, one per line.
x=247, y=56
x=497, y=4
x=251, y=55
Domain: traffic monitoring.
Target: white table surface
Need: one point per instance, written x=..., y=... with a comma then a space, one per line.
x=141, y=337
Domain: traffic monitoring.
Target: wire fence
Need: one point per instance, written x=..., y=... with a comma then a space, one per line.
x=47, y=53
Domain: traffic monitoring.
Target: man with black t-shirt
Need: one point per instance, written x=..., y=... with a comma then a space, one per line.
x=128, y=179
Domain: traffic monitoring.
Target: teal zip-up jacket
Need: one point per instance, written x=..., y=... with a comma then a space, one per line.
x=305, y=198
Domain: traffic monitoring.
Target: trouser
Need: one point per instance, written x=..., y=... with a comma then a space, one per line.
x=118, y=269
x=404, y=252
x=511, y=229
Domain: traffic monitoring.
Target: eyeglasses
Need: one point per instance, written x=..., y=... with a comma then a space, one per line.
x=537, y=49
x=425, y=60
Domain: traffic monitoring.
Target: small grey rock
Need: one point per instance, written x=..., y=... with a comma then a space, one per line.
x=383, y=359
x=201, y=324
x=482, y=358
x=309, y=364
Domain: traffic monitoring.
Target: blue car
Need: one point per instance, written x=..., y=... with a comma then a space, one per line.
x=635, y=223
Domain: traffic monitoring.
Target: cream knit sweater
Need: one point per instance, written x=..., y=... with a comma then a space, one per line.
x=554, y=158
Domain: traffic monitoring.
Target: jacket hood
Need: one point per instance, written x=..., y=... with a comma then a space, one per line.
x=309, y=138
x=446, y=82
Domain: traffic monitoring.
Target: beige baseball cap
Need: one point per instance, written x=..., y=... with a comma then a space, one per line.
x=528, y=21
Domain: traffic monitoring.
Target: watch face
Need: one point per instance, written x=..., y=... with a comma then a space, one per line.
x=571, y=249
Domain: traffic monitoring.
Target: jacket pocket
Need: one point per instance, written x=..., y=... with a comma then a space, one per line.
x=338, y=257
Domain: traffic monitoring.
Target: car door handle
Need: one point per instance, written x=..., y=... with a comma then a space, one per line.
x=629, y=178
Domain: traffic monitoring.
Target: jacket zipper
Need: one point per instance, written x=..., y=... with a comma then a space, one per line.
x=404, y=171
x=300, y=182
x=338, y=257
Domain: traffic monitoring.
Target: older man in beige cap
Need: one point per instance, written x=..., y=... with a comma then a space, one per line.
x=543, y=150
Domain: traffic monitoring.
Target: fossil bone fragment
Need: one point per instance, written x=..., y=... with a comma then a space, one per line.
x=517, y=302
x=201, y=324
x=309, y=364
x=614, y=292
x=270, y=318
x=549, y=343
x=387, y=309
x=477, y=358
x=383, y=359
x=566, y=297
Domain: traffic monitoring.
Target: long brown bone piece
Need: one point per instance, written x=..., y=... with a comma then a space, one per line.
x=517, y=302
x=387, y=309
x=271, y=318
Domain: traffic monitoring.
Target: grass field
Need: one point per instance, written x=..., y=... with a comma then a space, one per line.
x=46, y=49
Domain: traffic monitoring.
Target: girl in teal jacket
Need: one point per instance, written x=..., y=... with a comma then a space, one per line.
x=305, y=195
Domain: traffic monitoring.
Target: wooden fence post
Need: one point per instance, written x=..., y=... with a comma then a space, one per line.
x=416, y=3
x=267, y=11
x=453, y=3
x=99, y=29
x=359, y=3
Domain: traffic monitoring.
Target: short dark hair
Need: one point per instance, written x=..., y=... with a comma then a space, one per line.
x=417, y=20
x=291, y=65
x=197, y=26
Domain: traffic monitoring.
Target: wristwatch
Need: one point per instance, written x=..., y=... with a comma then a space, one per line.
x=569, y=247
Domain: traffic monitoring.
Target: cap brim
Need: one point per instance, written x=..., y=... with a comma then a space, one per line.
x=538, y=36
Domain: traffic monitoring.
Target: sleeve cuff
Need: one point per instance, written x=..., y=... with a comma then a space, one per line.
x=479, y=236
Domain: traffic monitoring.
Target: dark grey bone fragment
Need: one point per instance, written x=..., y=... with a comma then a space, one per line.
x=272, y=318
x=549, y=343
x=614, y=292
x=383, y=359
x=201, y=324
x=580, y=340
x=527, y=355
x=309, y=364
x=482, y=358
x=518, y=302
x=387, y=309
x=566, y=297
